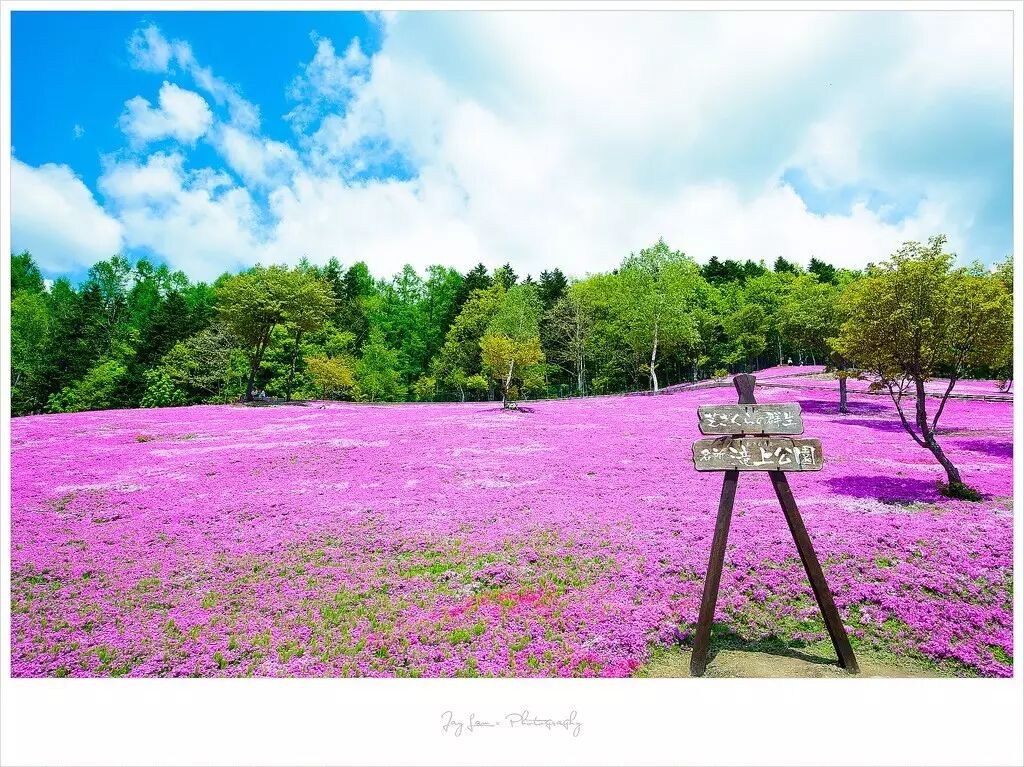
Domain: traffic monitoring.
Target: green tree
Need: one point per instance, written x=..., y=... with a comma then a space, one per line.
x=333, y=376
x=161, y=390
x=506, y=276
x=567, y=331
x=252, y=304
x=308, y=303
x=782, y=265
x=808, y=315
x=25, y=275
x=914, y=318
x=510, y=349
x=654, y=303
x=552, y=287
x=459, y=357
x=377, y=373
x=30, y=335
x=1003, y=362
x=205, y=366
x=96, y=390
x=823, y=271
x=508, y=361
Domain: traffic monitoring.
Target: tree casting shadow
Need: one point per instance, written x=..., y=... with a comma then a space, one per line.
x=831, y=407
x=896, y=490
x=994, y=449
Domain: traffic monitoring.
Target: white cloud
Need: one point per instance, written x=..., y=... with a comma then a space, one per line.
x=78, y=130
x=196, y=221
x=327, y=79
x=149, y=50
x=182, y=115
x=56, y=218
x=159, y=179
x=776, y=222
x=562, y=150
x=260, y=162
x=571, y=139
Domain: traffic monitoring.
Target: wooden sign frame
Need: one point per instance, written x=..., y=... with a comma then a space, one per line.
x=736, y=420
x=765, y=453
x=698, y=661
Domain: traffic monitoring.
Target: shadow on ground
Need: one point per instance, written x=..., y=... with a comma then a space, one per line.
x=731, y=656
x=831, y=407
x=887, y=489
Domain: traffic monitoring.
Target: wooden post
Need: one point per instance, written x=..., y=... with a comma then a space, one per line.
x=744, y=384
x=702, y=641
x=833, y=622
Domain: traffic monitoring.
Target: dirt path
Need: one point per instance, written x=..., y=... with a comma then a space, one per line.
x=753, y=664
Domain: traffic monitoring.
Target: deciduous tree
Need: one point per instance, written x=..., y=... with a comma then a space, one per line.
x=915, y=318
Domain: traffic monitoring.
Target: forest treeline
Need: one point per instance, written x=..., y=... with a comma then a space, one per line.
x=139, y=334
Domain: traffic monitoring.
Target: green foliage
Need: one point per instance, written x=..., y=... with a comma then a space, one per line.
x=25, y=275
x=141, y=334
x=916, y=317
x=333, y=376
x=97, y=390
x=459, y=357
x=566, y=335
x=251, y=305
x=30, y=334
x=161, y=391
x=809, y=315
x=649, y=308
x=424, y=389
x=512, y=362
x=377, y=373
x=207, y=367
x=518, y=314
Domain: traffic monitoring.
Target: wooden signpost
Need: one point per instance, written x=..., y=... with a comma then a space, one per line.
x=736, y=450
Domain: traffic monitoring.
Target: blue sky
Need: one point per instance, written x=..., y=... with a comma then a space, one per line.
x=213, y=140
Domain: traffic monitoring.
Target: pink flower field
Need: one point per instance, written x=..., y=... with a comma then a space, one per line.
x=448, y=539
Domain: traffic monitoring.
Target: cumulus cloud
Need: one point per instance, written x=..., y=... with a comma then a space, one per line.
x=539, y=147
x=151, y=51
x=260, y=162
x=54, y=215
x=329, y=79
x=571, y=139
x=182, y=115
x=197, y=221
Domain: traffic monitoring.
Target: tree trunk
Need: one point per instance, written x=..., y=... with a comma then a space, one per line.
x=255, y=364
x=291, y=372
x=842, y=394
x=952, y=473
x=654, y=354
x=508, y=384
x=921, y=411
x=249, y=383
x=778, y=341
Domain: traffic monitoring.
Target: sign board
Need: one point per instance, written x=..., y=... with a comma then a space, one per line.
x=758, y=454
x=739, y=450
x=750, y=419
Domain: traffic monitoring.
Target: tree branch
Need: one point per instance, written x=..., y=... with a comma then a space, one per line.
x=897, y=397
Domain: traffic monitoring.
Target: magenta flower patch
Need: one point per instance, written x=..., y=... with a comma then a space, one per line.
x=440, y=540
